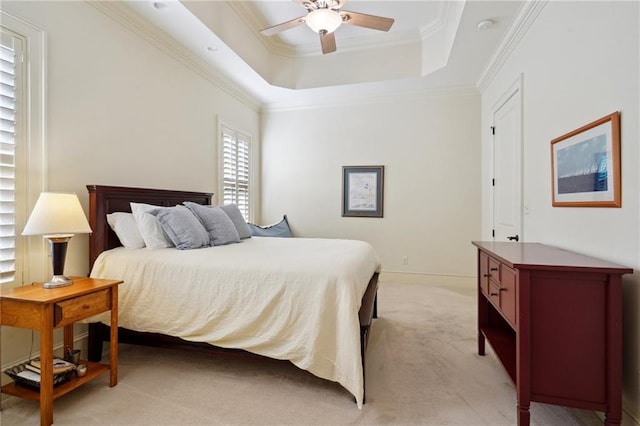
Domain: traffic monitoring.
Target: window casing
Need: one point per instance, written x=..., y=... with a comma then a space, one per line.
x=235, y=158
x=22, y=148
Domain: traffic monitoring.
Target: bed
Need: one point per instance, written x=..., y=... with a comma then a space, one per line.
x=328, y=339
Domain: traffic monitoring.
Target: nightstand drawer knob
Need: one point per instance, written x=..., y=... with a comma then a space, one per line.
x=86, y=306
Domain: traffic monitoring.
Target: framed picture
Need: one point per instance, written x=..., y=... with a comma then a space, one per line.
x=362, y=191
x=585, y=165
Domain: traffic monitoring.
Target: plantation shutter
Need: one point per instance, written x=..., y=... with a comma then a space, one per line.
x=236, y=166
x=7, y=162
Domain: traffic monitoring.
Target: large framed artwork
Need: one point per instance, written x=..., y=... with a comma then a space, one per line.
x=585, y=165
x=362, y=191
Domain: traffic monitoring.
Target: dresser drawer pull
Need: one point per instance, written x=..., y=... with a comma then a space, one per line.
x=498, y=293
x=486, y=275
x=85, y=306
x=493, y=269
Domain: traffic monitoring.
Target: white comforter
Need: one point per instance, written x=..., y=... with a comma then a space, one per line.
x=285, y=298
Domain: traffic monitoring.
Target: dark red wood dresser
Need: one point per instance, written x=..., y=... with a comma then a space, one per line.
x=554, y=319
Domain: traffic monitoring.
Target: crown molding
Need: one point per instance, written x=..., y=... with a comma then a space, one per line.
x=526, y=16
x=334, y=101
x=125, y=16
x=397, y=39
x=251, y=21
x=438, y=24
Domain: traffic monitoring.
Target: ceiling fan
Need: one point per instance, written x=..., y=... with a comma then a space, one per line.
x=325, y=16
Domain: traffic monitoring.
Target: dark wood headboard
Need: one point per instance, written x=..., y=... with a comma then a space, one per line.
x=109, y=199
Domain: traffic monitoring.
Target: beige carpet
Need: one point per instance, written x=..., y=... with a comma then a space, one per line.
x=422, y=369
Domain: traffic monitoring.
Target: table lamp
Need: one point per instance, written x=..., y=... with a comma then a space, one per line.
x=57, y=216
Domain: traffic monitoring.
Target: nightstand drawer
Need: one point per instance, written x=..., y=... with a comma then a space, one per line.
x=72, y=310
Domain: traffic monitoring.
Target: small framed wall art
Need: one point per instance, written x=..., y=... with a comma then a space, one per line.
x=362, y=191
x=585, y=165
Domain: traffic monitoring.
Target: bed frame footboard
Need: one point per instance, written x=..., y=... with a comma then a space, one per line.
x=368, y=311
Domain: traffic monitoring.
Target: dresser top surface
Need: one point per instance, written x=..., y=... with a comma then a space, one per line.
x=541, y=256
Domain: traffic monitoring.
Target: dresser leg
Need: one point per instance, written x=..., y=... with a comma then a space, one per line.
x=481, y=343
x=611, y=419
x=524, y=416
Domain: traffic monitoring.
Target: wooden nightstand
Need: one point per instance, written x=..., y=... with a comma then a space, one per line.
x=44, y=310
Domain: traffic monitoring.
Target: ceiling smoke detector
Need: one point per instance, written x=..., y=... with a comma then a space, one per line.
x=485, y=24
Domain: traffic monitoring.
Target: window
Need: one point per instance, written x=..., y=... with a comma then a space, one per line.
x=22, y=146
x=10, y=76
x=235, y=166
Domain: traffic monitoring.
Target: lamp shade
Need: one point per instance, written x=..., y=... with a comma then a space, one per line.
x=323, y=20
x=57, y=213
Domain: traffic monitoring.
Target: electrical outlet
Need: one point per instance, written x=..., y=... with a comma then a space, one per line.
x=405, y=260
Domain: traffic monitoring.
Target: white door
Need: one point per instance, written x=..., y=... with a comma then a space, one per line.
x=507, y=166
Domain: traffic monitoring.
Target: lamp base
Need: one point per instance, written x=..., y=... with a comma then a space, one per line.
x=58, y=246
x=58, y=281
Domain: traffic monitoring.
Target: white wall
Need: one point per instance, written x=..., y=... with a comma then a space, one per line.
x=120, y=111
x=429, y=145
x=579, y=62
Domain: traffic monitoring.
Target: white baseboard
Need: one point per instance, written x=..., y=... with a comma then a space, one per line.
x=466, y=281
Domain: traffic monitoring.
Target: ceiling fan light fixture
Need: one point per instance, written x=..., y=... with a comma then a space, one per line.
x=323, y=20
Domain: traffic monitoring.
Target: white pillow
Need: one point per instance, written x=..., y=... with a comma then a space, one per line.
x=152, y=233
x=125, y=227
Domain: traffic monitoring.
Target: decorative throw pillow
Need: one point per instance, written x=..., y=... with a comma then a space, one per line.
x=220, y=228
x=236, y=217
x=152, y=233
x=125, y=227
x=280, y=229
x=183, y=228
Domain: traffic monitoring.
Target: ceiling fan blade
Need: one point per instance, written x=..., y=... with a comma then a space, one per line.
x=368, y=21
x=281, y=27
x=328, y=42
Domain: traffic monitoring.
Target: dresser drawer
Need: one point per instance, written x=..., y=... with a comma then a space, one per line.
x=72, y=310
x=494, y=295
x=494, y=271
x=483, y=270
x=508, y=291
x=501, y=289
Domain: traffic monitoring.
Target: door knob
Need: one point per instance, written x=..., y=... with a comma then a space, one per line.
x=513, y=238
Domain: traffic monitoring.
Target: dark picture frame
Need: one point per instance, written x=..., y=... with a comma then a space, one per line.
x=362, y=191
x=585, y=165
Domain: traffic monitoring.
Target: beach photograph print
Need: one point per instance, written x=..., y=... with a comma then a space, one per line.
x=586, y=165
